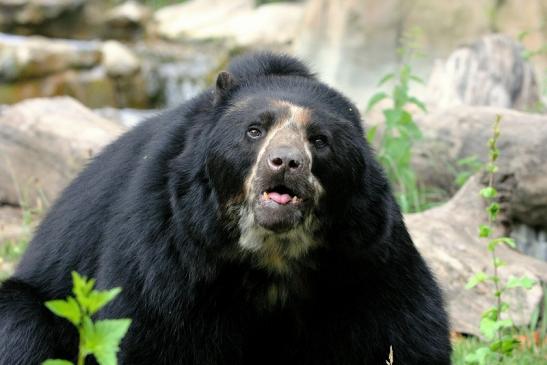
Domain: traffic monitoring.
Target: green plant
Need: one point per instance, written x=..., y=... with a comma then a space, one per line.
x=521, y=355
x=399, y=134
x=468, y=166
x=11, y=250
x=100, y=338
x=495, y=329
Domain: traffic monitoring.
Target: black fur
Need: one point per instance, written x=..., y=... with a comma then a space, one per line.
x=149, y=214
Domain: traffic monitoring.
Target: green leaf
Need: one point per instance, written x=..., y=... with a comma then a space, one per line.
x=485, y=231
x=375, y=99
x=57, y=362
x=104, y=339
x=386, y=78
x=499, y=262
x=471, y=160
x=476, y=279
x=499, y=241
x=371, y=133
x=493, y=210
x=68, y=309
x=489, y=328
x=81, y=287
x=504, y=346
x=417, y=79
x=418, y=103
x=98, y=299
x=522, y=282
x=488, y=192
x=479, y=357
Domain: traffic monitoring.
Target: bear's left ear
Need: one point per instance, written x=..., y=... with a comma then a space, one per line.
x=225, y=82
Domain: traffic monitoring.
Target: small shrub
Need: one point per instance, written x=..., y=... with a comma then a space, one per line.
x=496, y=330
x=100, y=338
x=400, y=133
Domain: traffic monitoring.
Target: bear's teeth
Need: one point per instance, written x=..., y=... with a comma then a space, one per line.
x=295, y=199
x=265, y=196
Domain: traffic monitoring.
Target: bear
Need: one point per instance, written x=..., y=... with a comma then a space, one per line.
x=250, y=225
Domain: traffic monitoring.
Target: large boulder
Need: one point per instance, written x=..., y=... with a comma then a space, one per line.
x=490, y=71
x=236, y=21
x=35, y=12
x=119, y=60
x=353, y=41
x=128, y=20
x=447, y=236
x=43, y=144
x=97, y=73
x=30, y=57
x=456, y=133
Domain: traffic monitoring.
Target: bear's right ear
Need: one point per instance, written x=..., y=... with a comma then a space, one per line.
x=225, y=82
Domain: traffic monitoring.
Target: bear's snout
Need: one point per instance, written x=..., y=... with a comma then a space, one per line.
x=286, y=159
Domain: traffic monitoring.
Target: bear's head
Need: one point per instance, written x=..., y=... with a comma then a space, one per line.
x=286, y=156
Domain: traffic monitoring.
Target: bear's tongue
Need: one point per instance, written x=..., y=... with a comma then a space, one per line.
x=280, y=198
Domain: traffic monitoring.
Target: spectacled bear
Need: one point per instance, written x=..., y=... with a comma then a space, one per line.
x=251, y=225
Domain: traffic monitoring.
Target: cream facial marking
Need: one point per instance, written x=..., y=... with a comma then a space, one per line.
x=280, y=252
x=289, y=130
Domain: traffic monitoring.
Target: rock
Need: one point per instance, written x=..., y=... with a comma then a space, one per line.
x=34, y=12
x=353, y=43
x=119, y=60
x=95, y=73
x=456, y=133
x=530, y=241
x=30, y=57
x=237, y=21
x=92, y=87
x=128, y=20
x=490, y=71
x=43, y=144
x=176, y=21
x=447, y=237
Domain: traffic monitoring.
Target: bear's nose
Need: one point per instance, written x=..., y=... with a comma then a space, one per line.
x=286, y=158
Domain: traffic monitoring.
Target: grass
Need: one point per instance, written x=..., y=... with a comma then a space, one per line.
x=536, y=355
x=12, y=250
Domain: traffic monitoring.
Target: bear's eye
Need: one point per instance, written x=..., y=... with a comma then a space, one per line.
x=319, y=142
x=254, y=132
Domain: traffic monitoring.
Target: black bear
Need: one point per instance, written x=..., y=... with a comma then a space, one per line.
x=251, y=225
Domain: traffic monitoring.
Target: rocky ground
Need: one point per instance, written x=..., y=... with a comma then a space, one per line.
x=91, y=70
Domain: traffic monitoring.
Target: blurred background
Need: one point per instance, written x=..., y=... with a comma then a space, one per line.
x=429, y=77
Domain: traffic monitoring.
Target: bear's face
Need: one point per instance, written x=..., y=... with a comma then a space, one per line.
x=280, y=165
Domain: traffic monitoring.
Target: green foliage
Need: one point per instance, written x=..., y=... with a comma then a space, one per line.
x=101, y=338
x=399, y=135
x=12, y=250
x=500, y=343
x=468, y=166
x=521, y=355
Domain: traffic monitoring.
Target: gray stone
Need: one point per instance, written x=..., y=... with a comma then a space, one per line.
x=119, y=60
x=128, y=20
x=43, y=144
x=236, y=21
x=459, y=132
x=33, y=12
x=447, y=237
x=30, y=57
x=490, y=71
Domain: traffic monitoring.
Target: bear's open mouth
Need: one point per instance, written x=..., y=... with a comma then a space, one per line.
x=281, y=195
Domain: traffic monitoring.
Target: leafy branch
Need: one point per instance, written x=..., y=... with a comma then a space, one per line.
x=100, y=338
x=494, y=329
